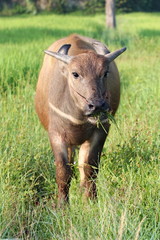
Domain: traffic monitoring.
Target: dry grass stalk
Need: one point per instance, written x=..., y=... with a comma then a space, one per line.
x=139, y=229
x=122, y=225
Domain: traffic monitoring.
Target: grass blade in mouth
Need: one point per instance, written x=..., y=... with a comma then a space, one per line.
x=110, y=119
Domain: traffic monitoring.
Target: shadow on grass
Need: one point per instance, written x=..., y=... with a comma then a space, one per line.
x=115, y=38
x=29, y=34
x=150, y=33
x=24, y=35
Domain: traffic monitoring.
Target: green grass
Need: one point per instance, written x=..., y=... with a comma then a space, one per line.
x=127, y=206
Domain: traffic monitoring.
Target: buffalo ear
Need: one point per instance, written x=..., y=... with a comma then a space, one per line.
x=100, y=48
x=61, y=54
x=64, y=49
x=111, y=56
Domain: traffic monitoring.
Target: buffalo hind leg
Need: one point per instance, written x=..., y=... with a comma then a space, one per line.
x=63, y=169
x=89, y=158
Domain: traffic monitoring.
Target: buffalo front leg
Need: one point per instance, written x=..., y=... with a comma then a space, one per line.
x=89, y=158
x=63, y=169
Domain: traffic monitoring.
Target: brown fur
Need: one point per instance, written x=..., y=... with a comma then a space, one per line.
x=57, y=86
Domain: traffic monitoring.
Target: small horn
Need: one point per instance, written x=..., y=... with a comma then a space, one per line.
x=62, y=57
x=111, y=56
x=64, y=49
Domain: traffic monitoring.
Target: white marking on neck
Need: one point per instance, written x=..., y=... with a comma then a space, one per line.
x=66, y=116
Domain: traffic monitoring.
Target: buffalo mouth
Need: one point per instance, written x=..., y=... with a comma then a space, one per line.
x=101, y=117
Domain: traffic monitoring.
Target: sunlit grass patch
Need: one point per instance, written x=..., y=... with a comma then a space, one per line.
x=127, y=205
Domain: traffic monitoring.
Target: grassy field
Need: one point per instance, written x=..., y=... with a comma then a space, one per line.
x=127, y=205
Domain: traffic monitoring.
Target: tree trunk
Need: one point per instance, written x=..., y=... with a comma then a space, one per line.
x=110, y=14
x=42, y=4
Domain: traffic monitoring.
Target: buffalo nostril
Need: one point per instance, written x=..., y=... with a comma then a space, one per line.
x=103, y=105
x=91, y=106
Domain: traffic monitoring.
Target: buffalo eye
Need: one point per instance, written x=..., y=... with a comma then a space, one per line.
x=75, y=75
x=106, y=74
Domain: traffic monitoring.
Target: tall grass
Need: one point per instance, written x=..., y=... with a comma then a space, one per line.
x=127, y=205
